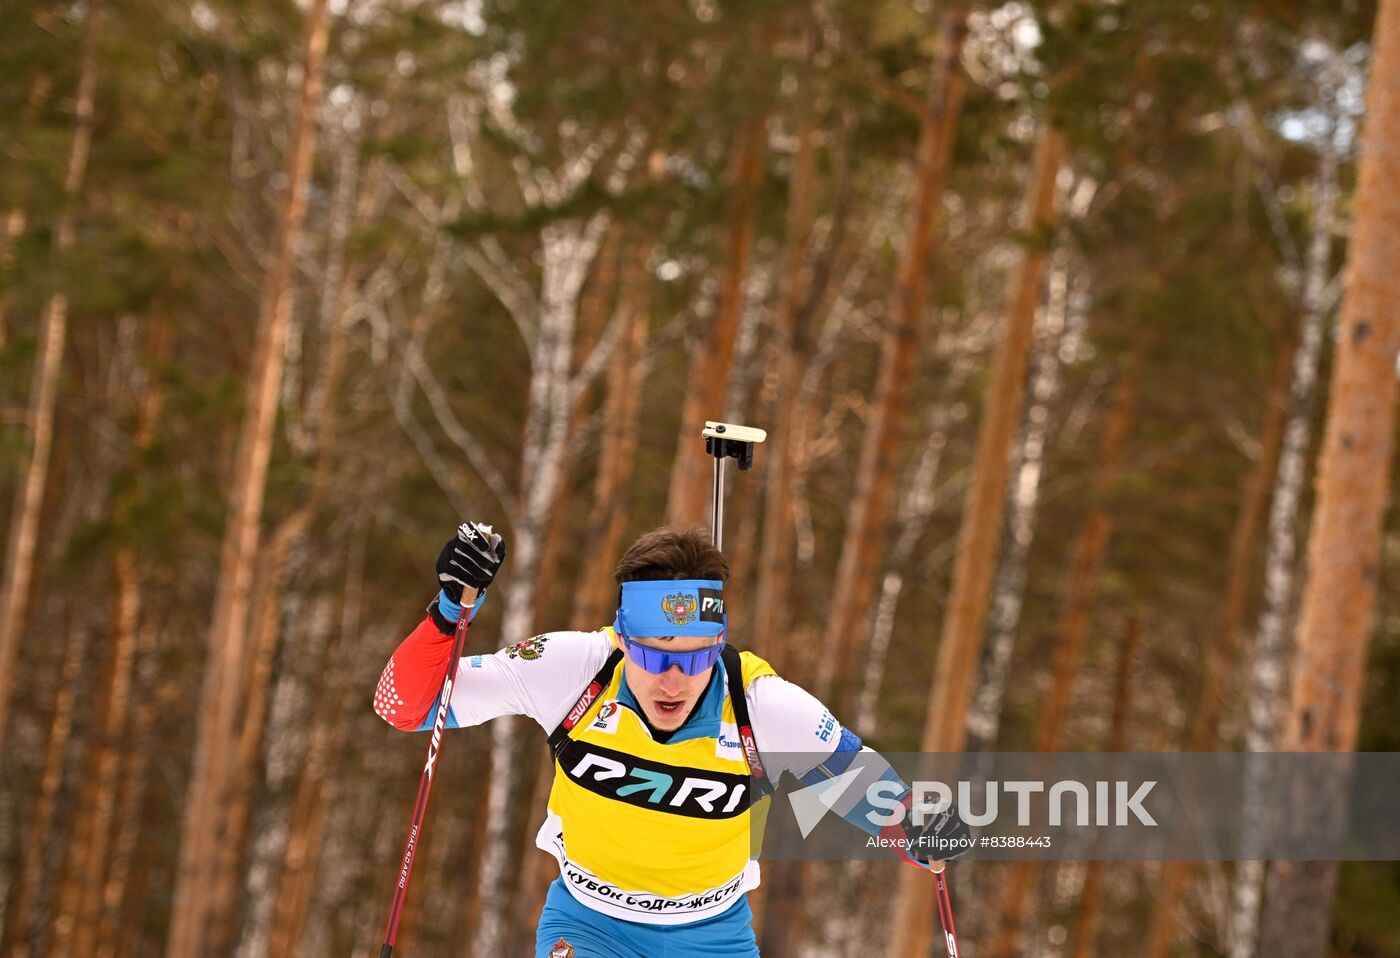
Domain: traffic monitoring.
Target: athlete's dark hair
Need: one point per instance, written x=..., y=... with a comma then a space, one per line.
x=668, y=553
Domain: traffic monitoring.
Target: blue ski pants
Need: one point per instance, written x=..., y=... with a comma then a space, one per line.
x=568, y=929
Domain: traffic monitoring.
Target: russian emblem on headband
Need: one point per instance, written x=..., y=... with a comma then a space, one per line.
x=680, y=607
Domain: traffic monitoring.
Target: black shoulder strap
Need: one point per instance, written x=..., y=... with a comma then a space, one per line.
x=734, y=674
x=560, y=736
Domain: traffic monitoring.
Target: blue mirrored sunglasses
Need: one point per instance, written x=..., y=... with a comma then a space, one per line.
x=657, y=661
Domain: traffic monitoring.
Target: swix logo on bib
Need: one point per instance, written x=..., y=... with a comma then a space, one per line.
x=581, y=707
x=692, y=792
x=711, y=605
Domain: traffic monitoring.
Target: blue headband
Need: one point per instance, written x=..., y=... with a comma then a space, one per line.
x=671, y=607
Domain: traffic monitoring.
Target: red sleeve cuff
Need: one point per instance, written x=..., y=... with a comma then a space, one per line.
x=412, y=680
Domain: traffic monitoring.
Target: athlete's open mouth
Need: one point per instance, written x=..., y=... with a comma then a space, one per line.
x=669, y=707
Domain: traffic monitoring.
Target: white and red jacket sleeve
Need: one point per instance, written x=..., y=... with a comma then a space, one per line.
x=541, y=677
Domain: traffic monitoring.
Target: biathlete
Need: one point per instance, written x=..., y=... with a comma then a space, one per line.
x=648, y=720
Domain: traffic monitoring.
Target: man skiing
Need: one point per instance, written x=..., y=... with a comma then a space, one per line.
x=658, y=728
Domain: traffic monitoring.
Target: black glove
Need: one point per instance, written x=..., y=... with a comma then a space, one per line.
x=471, y=558
x=943, y=836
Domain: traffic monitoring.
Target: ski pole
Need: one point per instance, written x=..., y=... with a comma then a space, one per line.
x=425, y=783
x=945, y=909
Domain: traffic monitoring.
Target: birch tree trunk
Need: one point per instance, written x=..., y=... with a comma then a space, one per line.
x=534, y=877
x=595, y=303
x=1086, y=561
x=1268, y=659
x=203, y=830
x=1008, y=591
x=569, y=249
x=48, y=366
x=709, y=374
x=315, y=789
x=594, y=593
x=1353, y=487
x=863, y=541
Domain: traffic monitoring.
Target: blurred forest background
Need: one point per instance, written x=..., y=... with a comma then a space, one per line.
x=1042, y=304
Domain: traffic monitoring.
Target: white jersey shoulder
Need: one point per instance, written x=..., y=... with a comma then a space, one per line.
x=791, y=724
x=541, y=677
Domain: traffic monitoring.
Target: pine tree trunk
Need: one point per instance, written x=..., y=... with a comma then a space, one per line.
x=136, y=761
x=39, y=846
x=1353, y=486
x=1253, y=499
x=1086, y=925
x=10, y=232
x=1220, y=657
x=911, y=519
x=595, y=595
x=686, y=502
x=1023, y=493
x=964, y=626
x=48, y=366
x=1268, y=659
x=813, y=415
x=746, y=402
x=265, y=621
x=111, y=743
x=84, y=505
x=771, y=599
x=1086, y=561
x=271, y=596
x=858, y=567
x=784, y=902
x=273, y=602
x=203, y=828
x=16, y=220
